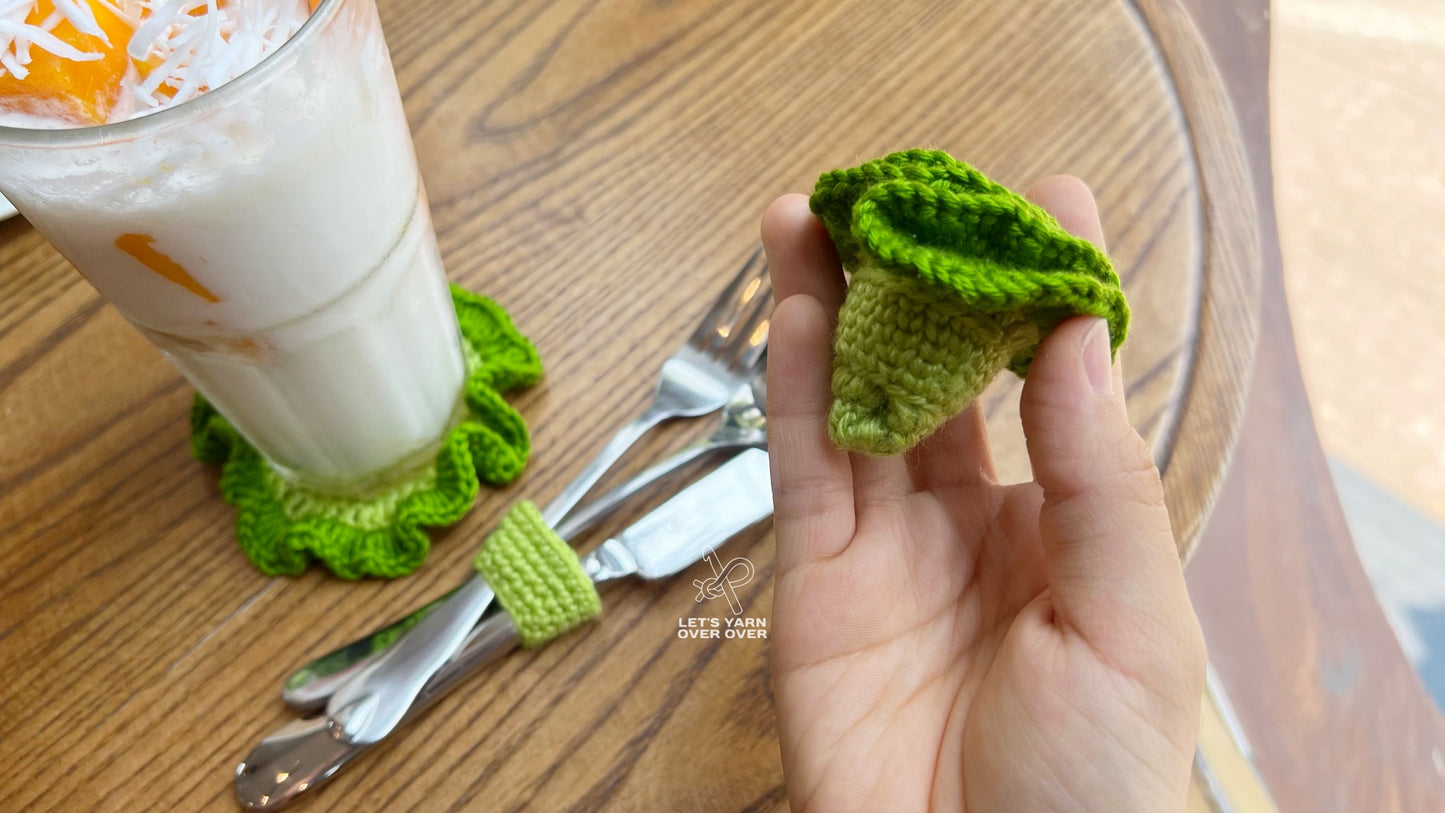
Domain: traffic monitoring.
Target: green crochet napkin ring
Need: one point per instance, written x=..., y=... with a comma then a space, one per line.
x=953, y=279
x=282, y=527
x=537, y=578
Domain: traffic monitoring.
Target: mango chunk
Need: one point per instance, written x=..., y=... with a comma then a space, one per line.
x=139, y=246
x=79, y=92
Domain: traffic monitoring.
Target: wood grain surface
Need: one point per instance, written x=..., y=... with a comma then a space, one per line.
x=598, y=168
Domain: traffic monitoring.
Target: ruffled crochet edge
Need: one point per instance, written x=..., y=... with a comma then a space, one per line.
x=283, y=528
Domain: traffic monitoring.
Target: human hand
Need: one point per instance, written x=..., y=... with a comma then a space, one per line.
x=942, y=642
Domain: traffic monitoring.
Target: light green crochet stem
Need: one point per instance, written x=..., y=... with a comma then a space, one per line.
x=537, y=578
x=954, y=278
x=906, y=359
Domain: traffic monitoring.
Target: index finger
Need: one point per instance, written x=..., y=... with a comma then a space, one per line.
x=1071, y=202
x=812, y=478
x=801, y=254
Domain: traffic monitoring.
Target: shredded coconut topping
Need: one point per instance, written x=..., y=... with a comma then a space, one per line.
x=17, y=36
x=191, y=46
x=180, y=48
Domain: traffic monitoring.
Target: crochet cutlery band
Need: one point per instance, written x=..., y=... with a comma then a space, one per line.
x=543, y=590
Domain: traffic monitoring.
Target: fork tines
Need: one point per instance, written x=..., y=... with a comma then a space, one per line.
x=735, y=330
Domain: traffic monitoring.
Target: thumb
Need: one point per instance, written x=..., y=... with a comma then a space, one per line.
x=1109, y=551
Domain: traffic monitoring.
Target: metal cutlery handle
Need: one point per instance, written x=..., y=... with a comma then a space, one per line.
x=367, y=707
x=309, y=687
x=686, y=389
x=589, y=514
x=304, y=754
x=615, y=448
x=494, y=636
x=744, y=427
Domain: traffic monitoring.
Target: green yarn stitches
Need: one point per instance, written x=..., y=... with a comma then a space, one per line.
x=954, y=278
x=282, y=527
x=537, y=578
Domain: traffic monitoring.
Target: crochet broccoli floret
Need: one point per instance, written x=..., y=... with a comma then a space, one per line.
x=953, y=279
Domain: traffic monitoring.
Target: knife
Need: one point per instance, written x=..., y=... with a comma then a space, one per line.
x=307, y=752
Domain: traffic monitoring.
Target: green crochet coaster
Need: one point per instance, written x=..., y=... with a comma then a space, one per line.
x=953, y=279
x=282, y=527
x=536, y=576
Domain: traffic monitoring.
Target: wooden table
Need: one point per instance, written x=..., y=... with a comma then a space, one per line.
x=599, y=169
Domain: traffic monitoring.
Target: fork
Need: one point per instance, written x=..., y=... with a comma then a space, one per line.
x=723, y=353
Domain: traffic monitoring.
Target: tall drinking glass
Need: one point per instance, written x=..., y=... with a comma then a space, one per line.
x=272, y=238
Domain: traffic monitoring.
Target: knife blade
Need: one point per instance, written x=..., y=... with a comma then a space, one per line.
x=307, y=752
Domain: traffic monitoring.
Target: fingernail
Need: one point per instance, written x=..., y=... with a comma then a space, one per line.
x=1098, y=359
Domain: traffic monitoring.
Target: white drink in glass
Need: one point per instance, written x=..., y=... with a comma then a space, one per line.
x=273, y=239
